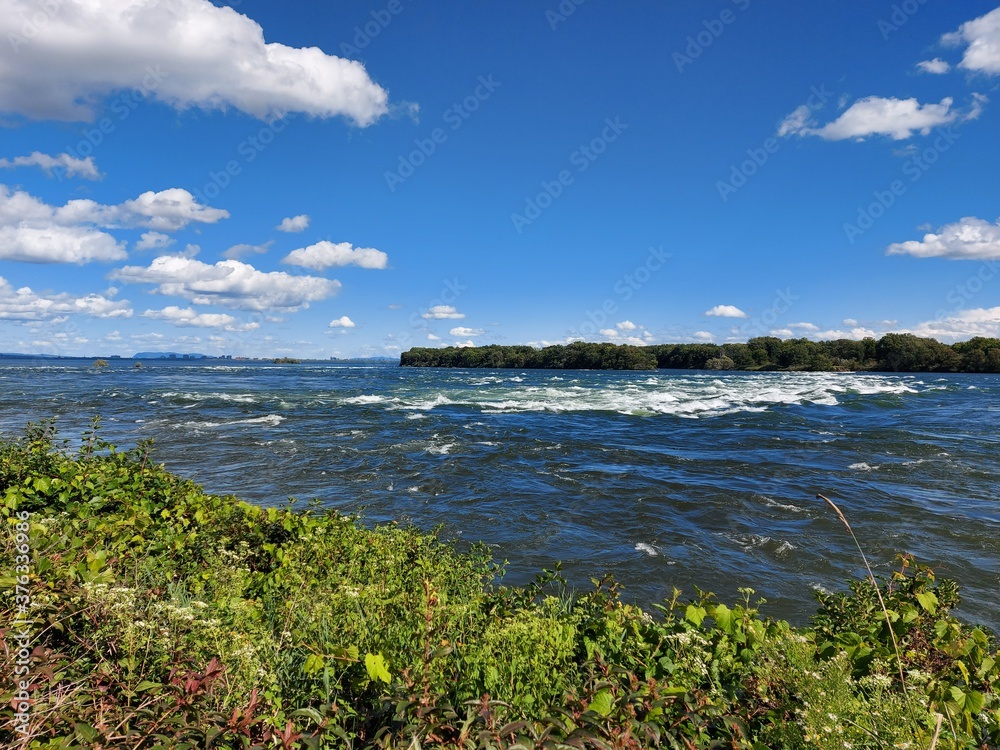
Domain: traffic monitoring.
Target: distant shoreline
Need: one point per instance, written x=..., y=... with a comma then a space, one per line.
x=894, y=352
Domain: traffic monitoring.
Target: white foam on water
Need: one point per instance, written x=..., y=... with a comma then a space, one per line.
x=649, y=549
x=271, y=420
x=416, y=416
x=366, y=399
x=772, y=503
x=441, y=450
x=862, y=466
x=692, y=396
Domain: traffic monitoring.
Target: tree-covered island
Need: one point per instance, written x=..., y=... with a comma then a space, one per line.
x=894, y=352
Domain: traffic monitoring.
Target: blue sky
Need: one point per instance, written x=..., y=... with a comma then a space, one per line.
x=339, y=179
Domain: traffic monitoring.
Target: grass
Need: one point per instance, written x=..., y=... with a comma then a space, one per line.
x=164, y=617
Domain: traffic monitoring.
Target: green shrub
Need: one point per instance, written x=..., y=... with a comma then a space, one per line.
x=164, y=617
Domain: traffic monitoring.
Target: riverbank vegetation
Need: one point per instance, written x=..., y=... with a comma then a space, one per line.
x=164, y=617
x=894, y=352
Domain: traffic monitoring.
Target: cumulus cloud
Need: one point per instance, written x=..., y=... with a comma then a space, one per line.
x=464, y=332
x=342, y=322
x=982, y=37
x=26, y=305
x=857, y=333
x=35, y=232
x=229, y=283
x=464, y=344
x=56, y=244
x=961, y=325
x=328, y=254
x=166, y=211
x=294, y=224
x=937, y=66
x=154, y=241
x=442, y=312
x=966, y=239
x=71, y=165
x=238, y=251
x=703, y=335
x=188, y=317
x=205, y=56
x=627, y=332
x=803, y=326
x=874, y=115
x=725, y=311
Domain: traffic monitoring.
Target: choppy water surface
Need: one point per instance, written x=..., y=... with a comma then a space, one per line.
x=663, y=479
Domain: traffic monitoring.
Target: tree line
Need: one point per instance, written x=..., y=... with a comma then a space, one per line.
x=894, y=352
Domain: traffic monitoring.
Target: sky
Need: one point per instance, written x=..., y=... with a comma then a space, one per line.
x=340, y=179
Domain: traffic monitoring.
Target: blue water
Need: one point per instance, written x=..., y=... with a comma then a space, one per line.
x=663, y=479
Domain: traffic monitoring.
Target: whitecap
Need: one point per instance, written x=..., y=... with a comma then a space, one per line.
x=649, y=549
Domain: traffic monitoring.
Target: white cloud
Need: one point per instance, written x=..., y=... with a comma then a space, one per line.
x=185, y=317
x=803, y=326
x=464, y=344
x=229, y=283
x=725, y=311
x=203, y=56
x=874, y=115
x=153, y=241
x=342, y=322
x=56, y=244
x=849, y=322
x=73, y=166
x=432, y=337
x=35, y=232
x=238, y=251
x=26, y=305
x=937, y=66
x=463, y=332
x=857, y=333
x=294, y=224
x=967, y=239
x=328, y=254
x=960, y=325
x=620, y=334
x=703, y=335
x=982, y=35
x=168, y=211
x=443, y=312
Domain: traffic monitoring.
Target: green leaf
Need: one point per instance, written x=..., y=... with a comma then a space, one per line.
x=695, y=614
x=928, y=600
x=723, y=618
x=375, y=664
x=602, y=702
